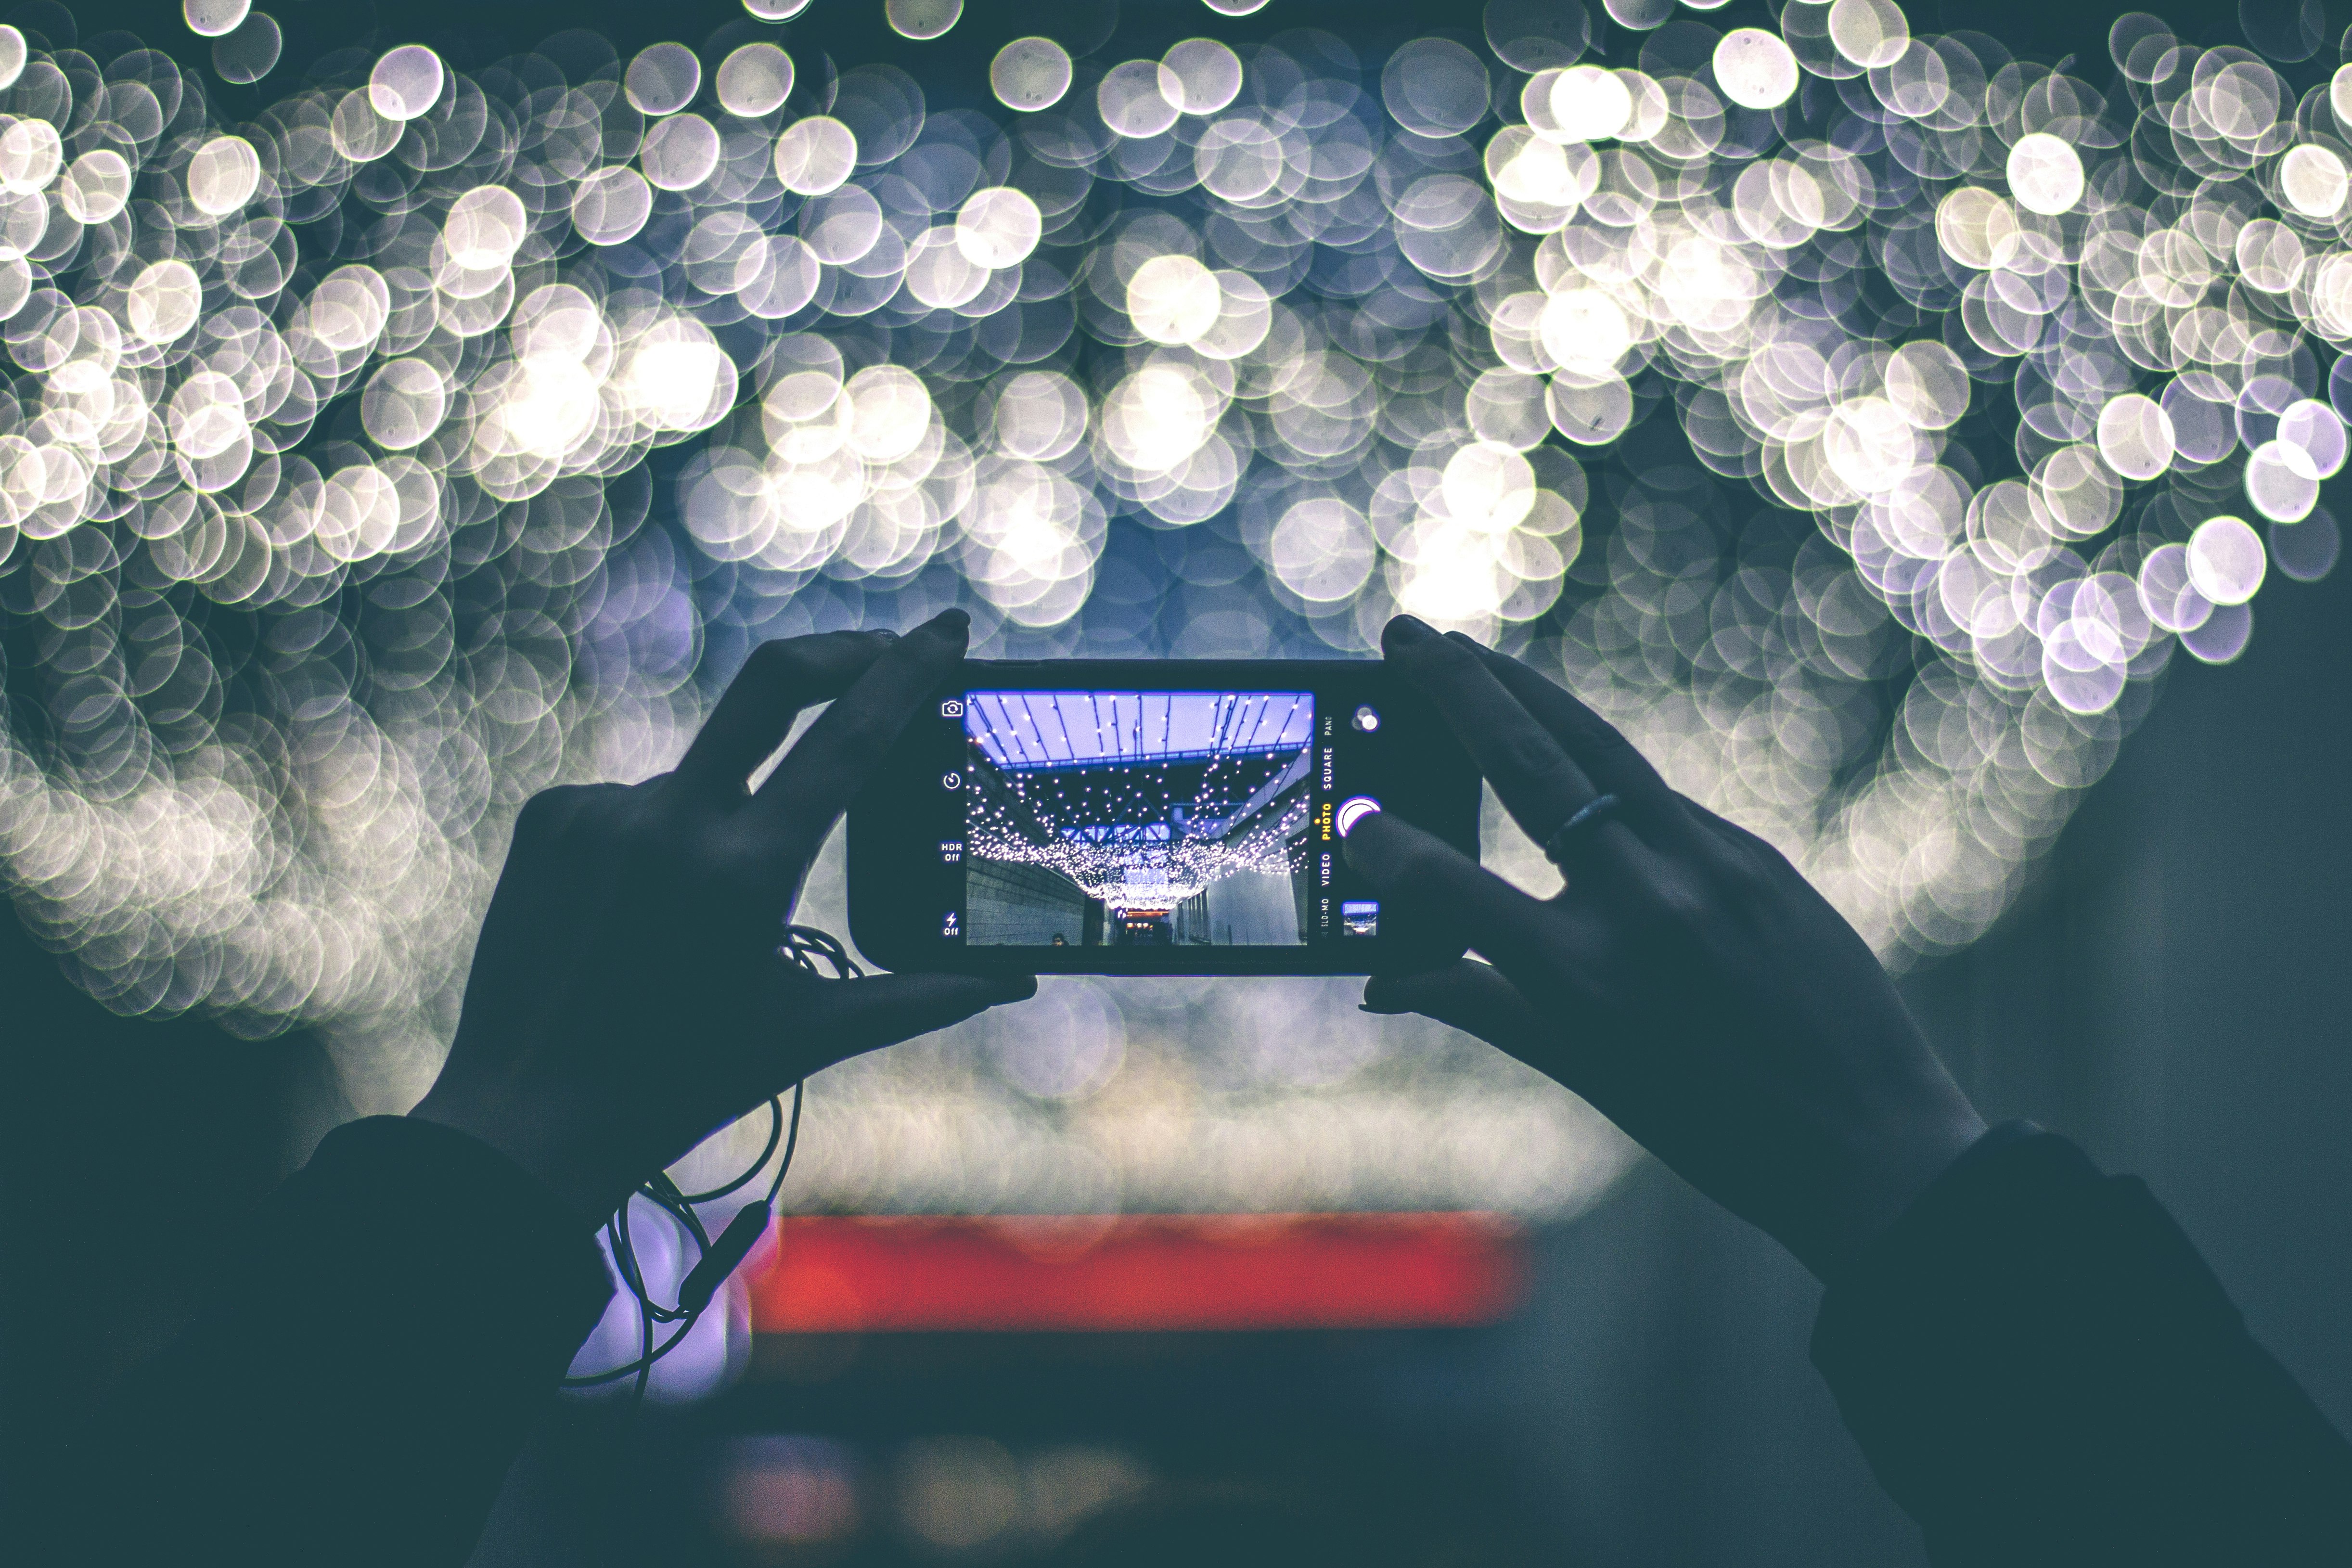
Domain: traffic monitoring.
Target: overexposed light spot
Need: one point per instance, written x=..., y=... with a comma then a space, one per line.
x=1172, y=299
x=2280, y=482
x=2045, y=174
x=2313, y=180
x=1590, y=103
x=403, y=404
x=1755, y=68
x=2225, y=560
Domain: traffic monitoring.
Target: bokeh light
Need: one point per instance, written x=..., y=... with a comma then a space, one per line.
x=1861, y=418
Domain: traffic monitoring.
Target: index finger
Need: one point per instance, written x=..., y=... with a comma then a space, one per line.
x=757, y=710
x=1540, y=782
x=1613, y=763
x=819, y=777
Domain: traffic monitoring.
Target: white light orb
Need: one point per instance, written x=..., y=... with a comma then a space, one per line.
x=998, y=227
x=815, y=155
x=95, y=187
x=2045, y=174
x=2312, y=437
x=663, y=78
x=1207, y=76
x=484, y=227
x=403, y=403
x=1755, y=68
x=1589, y=104
x=214, y=18
x=2312, y=181
x=922, y=19
x=2226, y=559
x=406, y=82
x=2280, y=482
x=165, y=300
x=1872, y=34
x=223, y=176
x=612, y=205
x=1172, y=299
x=1029, y=74
x=2135, y=436
x=680, y=153
x=754, y=81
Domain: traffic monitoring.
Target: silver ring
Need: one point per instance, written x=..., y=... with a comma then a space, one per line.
x=1593, y=811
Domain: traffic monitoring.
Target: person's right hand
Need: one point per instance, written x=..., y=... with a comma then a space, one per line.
x=1688, y=981
x=627, y=996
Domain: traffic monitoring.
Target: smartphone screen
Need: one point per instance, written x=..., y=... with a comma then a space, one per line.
x=1150, y=818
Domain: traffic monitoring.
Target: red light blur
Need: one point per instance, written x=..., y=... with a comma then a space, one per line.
x=832, y=1275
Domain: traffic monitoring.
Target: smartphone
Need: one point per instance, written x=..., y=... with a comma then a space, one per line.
x=1146, y=816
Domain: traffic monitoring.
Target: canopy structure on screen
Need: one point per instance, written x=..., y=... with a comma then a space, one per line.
x=1144, y=802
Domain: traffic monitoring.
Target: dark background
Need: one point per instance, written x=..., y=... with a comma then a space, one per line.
x=2172, y=991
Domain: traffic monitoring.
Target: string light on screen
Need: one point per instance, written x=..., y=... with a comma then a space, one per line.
x=1862, y=418
x=1140, y=798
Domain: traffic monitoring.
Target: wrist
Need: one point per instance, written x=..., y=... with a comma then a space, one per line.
x=1886, y=1173
x=533, y=1140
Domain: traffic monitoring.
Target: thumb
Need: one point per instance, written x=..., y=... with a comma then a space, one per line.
x=879, y=1010
x=1473, y=997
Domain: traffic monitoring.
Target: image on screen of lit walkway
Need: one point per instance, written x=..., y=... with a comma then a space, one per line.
x=1137, y=818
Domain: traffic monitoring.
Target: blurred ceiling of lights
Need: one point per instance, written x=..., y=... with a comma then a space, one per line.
x=1863, y=420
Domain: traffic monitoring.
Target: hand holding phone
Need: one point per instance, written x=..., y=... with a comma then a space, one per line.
x=627, y=996
x=1153, y=818
x=1688, y=981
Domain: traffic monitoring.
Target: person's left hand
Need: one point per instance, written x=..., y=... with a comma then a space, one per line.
x=627, y=997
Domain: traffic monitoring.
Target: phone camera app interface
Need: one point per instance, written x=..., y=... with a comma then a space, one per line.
x=1139, y=819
